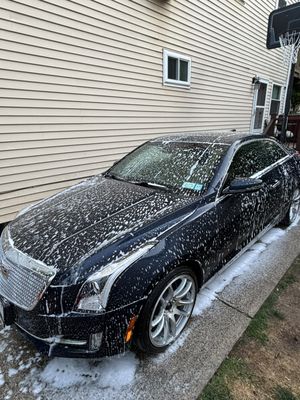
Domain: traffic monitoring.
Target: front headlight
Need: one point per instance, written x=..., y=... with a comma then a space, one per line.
x=94, y=293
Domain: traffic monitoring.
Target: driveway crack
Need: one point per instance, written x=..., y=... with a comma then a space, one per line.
x=233, y=307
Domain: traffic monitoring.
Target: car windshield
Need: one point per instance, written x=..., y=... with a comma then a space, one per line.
x=171, y=164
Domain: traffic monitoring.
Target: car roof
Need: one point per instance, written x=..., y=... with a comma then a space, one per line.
x=218, y=137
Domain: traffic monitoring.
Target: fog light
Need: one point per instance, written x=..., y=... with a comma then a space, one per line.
x=95, y=341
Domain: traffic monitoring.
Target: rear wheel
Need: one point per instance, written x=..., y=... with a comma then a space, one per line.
x=293, y=210
x=167, y=311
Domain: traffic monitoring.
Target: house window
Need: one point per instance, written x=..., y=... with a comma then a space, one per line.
x=275, y=101
x=177, y=69
x=259, y=107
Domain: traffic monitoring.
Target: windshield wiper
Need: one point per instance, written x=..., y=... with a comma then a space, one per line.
x=140, y=183
x=113, y=176
x=149, y=184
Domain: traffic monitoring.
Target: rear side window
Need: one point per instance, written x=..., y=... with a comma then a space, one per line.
x=254, y=157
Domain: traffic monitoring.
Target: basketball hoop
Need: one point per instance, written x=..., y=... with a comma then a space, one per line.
x=284, y=32
x=290, y=44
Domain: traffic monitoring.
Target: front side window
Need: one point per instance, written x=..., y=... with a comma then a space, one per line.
x=254, y=157
x=177, y=69
x=175, y=165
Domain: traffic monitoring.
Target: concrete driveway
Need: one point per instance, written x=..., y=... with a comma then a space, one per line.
x=224, y=309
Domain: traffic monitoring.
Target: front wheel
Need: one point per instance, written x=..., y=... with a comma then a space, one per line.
x=293, y=210
x=167, y=311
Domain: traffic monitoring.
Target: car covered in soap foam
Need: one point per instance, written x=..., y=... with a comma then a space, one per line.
x=116, y=261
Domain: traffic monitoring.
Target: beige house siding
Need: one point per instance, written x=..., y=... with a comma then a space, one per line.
x=81, y=82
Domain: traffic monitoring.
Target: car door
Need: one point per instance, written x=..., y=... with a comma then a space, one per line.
x=240, y=216
x=290, y=177
x=274, y=175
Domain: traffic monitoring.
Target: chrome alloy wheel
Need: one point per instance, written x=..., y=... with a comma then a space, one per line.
x=295, y=206
x=172, y=310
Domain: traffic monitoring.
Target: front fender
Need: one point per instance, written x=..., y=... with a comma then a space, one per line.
x=193, y=242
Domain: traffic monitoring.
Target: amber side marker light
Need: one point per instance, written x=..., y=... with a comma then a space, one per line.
x=130, y=328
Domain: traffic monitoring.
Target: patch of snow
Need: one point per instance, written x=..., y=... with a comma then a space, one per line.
x=2, y=380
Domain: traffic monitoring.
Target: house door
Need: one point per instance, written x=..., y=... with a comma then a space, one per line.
x=260, y=98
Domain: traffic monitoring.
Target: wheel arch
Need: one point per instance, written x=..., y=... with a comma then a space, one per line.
x=197, y=269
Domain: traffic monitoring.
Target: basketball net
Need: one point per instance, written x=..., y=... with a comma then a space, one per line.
x=290, y=44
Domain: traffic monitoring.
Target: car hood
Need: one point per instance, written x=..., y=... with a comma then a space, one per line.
x=87, y=217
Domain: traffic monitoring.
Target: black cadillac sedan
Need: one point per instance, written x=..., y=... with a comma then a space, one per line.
x=116, y=261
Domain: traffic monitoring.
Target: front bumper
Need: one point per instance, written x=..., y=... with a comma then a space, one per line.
x=77, y=334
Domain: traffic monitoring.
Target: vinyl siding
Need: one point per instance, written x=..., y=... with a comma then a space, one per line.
x=81, y=83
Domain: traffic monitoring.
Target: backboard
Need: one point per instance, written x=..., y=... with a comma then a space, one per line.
x=283, y=21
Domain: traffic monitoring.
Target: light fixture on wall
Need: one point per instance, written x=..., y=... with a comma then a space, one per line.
x=256, y=81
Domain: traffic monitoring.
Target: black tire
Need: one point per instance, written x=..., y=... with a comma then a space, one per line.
x=290, y=217
x=142, y=340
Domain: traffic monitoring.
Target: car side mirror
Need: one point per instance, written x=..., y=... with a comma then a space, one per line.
x=243, y=185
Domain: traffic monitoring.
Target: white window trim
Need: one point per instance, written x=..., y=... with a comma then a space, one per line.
x=259, y=131
x=174, y=82
x=281, y=85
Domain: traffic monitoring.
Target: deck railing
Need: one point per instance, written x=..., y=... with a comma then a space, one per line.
x=273, y=128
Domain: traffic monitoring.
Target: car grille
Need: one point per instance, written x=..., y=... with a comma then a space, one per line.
x=23, y=286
